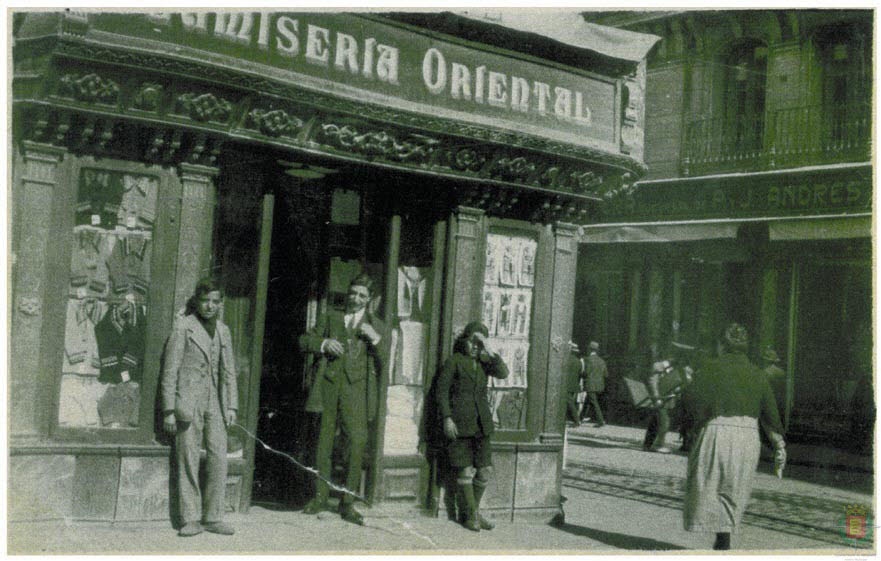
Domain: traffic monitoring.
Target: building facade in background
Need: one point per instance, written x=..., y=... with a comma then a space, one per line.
x=756, y=208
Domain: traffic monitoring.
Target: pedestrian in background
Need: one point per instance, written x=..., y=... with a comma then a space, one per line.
x=467, y=420
x=729, y=398
x=574, y=374
x=659, y=424
x=595, y=373
x=199, y=403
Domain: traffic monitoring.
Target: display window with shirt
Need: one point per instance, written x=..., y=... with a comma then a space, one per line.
x=107, y=300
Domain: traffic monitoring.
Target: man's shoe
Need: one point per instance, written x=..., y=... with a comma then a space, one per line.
x=472, y=524
x=484, y=523
x=662, y=450
x=349, y=514
x=190, y=529
x=219, y=528
x=315, y=506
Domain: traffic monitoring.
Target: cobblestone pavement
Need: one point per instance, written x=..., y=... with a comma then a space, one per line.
x=796, y=514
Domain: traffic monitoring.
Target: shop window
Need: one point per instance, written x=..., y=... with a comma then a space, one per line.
x=744, y=101
x=508, y=288
x=410, y=337
x=107, y=306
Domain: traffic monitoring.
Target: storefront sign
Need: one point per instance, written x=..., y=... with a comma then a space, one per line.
x=750, y=196
x=402, y=66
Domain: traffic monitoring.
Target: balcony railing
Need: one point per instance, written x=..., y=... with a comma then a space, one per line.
x=785, y=138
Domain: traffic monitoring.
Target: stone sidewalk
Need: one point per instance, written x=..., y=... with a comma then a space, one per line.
x=618, y=498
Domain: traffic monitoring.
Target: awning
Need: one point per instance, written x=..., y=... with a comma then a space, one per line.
x=569, y=27
x=649, y=234
x=826, y=229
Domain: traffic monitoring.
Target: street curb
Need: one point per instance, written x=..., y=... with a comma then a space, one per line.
x=583, y=438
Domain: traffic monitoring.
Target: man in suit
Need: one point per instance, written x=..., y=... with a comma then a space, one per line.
x=595, y=373
x=467, y=419
x=574, y=373
x=351, y=348
x=199, y=401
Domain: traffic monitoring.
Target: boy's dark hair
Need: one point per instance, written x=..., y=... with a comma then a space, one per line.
x=206, y=285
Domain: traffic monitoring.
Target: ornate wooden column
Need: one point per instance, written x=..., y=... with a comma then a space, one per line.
x=562, y=302
x=463, y=276
x=35, y=200
x=198, y=201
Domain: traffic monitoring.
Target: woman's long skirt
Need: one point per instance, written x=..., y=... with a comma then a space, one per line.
x=721, y=467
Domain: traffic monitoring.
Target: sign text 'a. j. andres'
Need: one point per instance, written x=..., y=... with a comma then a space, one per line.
x=366, y=53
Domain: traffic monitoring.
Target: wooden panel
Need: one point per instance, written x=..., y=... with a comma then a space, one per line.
x=560, y=328
x=500, y=491
x=143, y=489
x=400, y=484
x=252, y=390
x=37, y=186
x=40, y=487
x=534, y=486
x=95, y=484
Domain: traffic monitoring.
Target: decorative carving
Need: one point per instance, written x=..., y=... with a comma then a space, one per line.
x=549, y=177
x=625, y=188
x=29, y=306
x=231, y=77
x=557, y=343
x=513, y=169
x=106, y=134
x=148, y=97
x=468, y=159
x=584, y=182
x=276, y=122
x=204, y=107
x=155, y=145
x=173, y=146
x=90, y=88
x=416, y=148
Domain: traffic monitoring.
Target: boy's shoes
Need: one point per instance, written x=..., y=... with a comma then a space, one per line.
x=219, y=528
x=190, y=529
x=315, y=506
x=349, y=514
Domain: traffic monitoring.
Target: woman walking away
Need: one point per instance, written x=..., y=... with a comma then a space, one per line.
x=728, y=399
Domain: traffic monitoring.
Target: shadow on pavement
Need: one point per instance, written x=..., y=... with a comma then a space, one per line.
x=616, y=540
x=590, y=442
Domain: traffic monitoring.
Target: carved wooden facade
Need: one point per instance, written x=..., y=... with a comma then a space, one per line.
x=222, y=136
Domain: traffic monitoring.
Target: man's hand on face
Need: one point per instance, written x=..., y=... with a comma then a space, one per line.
x=483, y=346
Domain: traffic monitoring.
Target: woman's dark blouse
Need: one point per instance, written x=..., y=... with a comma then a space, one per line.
x=731, y=386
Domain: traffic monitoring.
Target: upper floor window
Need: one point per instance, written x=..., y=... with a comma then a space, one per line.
x=844, y=85
x=744, y=95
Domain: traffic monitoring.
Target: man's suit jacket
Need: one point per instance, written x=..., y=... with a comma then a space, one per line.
x=462, y=393
x=595, y=374
x=187, y=368
x=573, y=373
x=332, y=326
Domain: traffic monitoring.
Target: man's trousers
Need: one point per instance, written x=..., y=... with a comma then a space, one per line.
x=207, y=424
x=591, y=400
x=345, y=403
